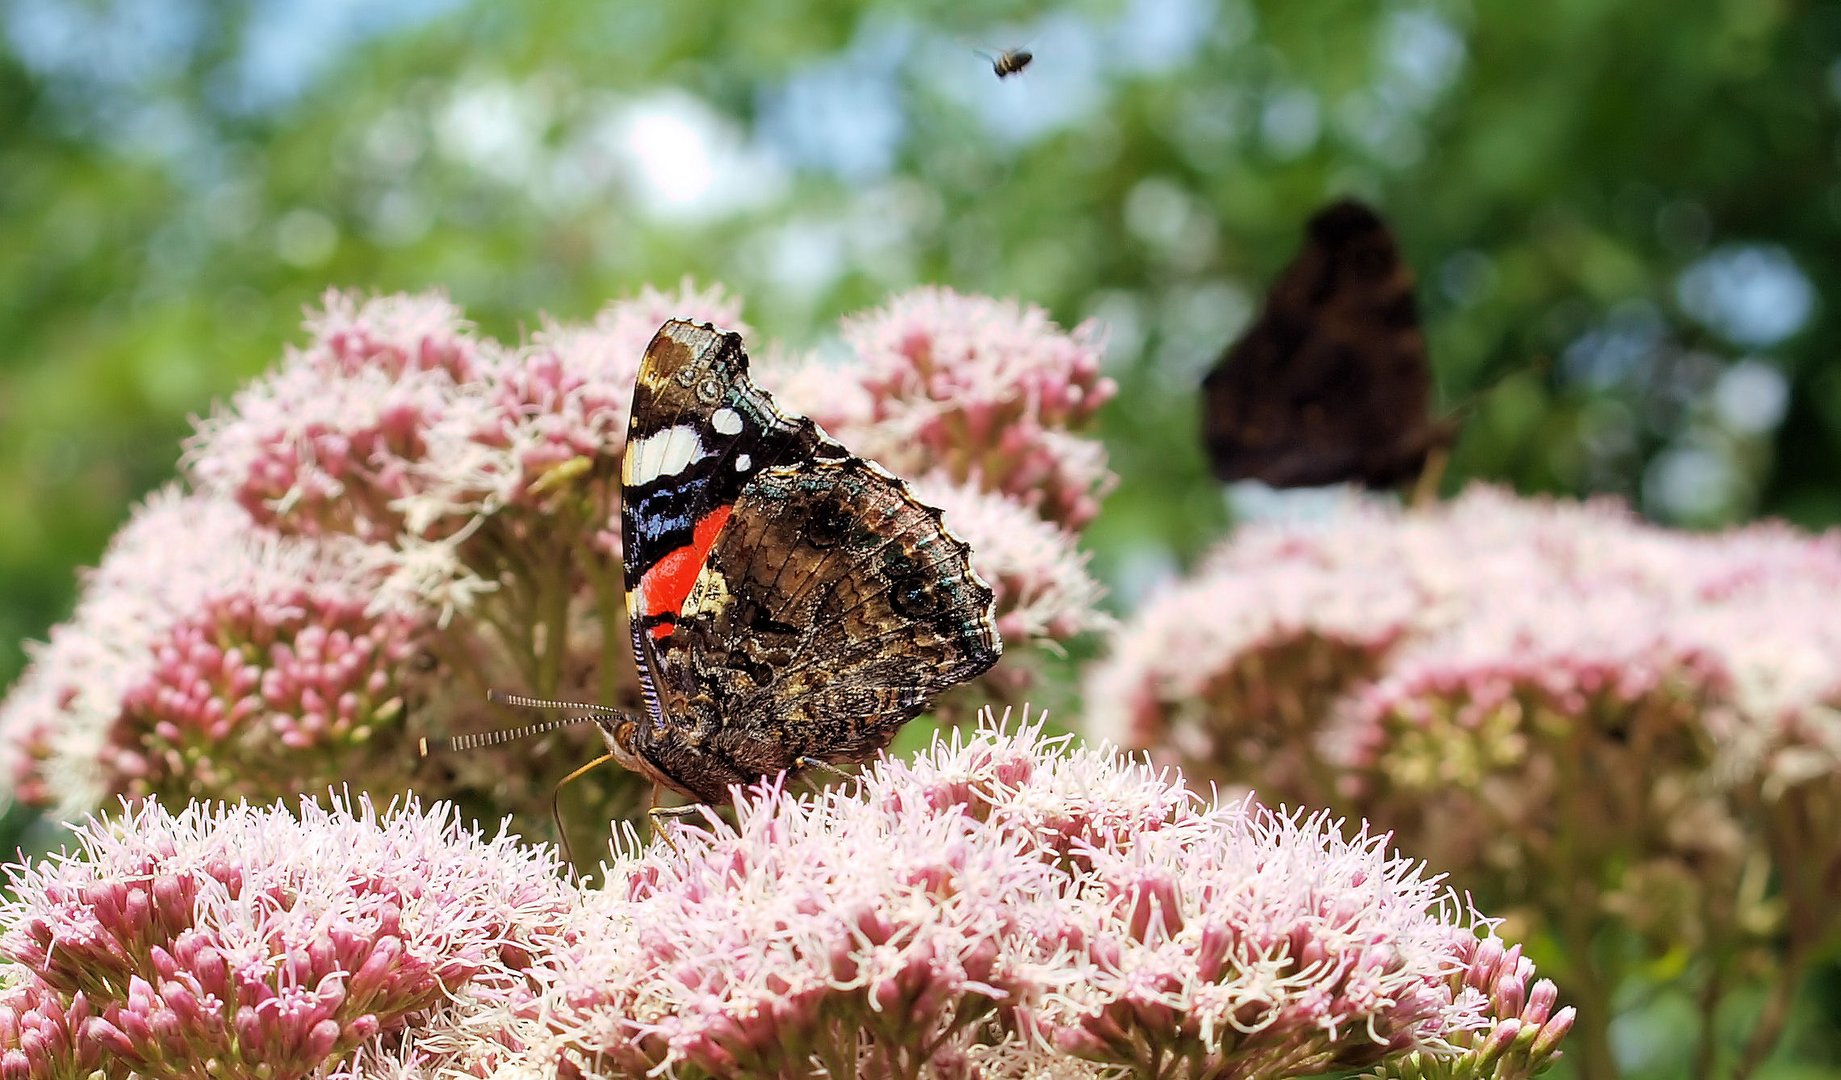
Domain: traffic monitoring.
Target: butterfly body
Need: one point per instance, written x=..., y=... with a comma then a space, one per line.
x=1331, y=382
x=787, y=600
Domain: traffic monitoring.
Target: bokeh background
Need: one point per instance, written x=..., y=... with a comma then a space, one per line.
x=1625, y=215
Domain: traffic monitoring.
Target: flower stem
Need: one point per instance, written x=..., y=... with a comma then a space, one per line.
x=1578, y=904
x=553, y=616
x=609, y=596
x=1776, y=1012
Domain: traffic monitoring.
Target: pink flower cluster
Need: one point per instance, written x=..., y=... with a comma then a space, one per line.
x=55, y=720
x=1579, y=714
x=329, y=442
x=1006, y=905
x=986, y=390
x=1523, y=1027
x=396, y=417
x=43, y=1036
x=403, y=513
x=256, y=693
x=397, y=424
x=209, y=656
x=263, y=942
x=1383, y=620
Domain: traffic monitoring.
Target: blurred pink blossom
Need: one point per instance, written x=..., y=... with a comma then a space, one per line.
x=1482, y=596
x=1228, y=673
x=1530, y=692
x=269, y=940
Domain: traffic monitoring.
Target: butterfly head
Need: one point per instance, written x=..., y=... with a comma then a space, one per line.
x=622, y=734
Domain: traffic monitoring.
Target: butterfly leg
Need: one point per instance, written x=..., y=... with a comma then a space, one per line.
x=804, y=761
x=1425, y=489
x=658, y=814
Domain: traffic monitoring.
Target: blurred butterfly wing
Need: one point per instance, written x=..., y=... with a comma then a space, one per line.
x=1331, y=382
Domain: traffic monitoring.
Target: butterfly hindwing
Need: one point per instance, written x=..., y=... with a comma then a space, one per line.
x=788, y=600
x=832, y=609
x=1331, y=382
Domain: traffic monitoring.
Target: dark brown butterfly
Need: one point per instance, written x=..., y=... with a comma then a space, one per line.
x=1330, y=384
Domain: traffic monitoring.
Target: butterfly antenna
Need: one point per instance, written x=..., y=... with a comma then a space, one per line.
x=476, y=739
x=500, y=697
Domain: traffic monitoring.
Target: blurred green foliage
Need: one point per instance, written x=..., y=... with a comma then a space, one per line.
x=1625, y=213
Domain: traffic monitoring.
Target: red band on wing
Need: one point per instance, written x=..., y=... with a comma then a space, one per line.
x=663, y=588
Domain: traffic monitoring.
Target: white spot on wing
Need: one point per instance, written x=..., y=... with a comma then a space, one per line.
x=743, y=463
x=726, y=421
x=662, y=453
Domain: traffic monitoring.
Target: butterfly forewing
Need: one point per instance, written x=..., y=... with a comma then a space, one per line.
x=1331, y=382
x=834, y=607
x=700, y=431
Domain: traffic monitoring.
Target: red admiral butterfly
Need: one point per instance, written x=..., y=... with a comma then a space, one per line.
x=789, y=603
x=1331, y=382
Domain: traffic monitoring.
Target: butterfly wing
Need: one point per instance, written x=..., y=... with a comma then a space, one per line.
x=700, y=431
x=832, y=609
x=1331, y=382
x=787, y=599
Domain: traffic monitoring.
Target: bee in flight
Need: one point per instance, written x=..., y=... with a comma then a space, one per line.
x=1009, y=62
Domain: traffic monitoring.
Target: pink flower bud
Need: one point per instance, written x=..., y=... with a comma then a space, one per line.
x=1552, y=1032
x=1509, y=996
x=1482, y=970
x=110, y=1037
x=321, y=1040
x=1541, y=1002
x=1501, y=1037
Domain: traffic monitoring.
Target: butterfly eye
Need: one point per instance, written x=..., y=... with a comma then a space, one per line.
x=624, y=733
